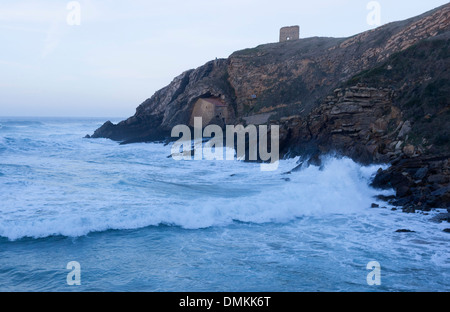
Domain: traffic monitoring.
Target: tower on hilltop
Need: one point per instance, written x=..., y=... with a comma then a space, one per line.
x=289, y=33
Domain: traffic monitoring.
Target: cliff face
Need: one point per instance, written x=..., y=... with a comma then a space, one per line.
x=171, y=105
x=280, y=79
x=397, y=112
x=379, y=96
x=400, y=107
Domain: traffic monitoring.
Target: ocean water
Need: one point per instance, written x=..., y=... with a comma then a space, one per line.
x=136, y=220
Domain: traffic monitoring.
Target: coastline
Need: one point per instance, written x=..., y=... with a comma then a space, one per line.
x=378, y=97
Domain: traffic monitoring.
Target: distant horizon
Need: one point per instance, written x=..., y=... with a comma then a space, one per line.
x=121, y=54
x=67, y=117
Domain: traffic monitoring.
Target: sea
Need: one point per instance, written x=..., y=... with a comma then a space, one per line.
x=131, y=218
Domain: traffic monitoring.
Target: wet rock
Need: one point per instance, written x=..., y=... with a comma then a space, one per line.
x=421, y=173
x=437, y=178
x=385, y=198
x=403, y=191
x=404, y=231
x=442, y=217
x=299, y=167
x=409, y=209
x=315, y=160
x=441, y=191
x=402, y=201
x=405, y=130
x=382, y=179
x=375, y=205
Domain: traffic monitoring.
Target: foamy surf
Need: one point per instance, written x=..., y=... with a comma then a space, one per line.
x=61, y=195
x=200, y=199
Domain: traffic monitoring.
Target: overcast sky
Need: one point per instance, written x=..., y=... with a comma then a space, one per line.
x=124, y=51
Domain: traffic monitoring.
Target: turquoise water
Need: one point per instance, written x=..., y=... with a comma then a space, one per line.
x=137, y=220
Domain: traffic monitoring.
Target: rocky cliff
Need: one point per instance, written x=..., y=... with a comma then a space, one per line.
x=377, y=97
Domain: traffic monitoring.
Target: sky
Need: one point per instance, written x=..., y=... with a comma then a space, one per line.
x=102, y=58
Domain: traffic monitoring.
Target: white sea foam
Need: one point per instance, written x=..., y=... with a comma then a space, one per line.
x=293, y=224
x=191, y=194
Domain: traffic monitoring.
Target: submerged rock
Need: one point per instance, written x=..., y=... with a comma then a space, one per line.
x=443, y=217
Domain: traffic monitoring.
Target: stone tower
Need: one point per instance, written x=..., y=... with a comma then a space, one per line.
x=289, y=33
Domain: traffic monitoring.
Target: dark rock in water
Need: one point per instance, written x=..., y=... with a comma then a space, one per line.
x=390, y=199
x=105, y=131
x=382, y=180
x=315, y=161
x=298, y=168
x=447, y=230
x=440, y=198
x=442, y=217
x=420, y=193
x=385, y=198
x=134, y=130
x=402, y=201
x=404, y=231
x=375, y=205
x=409, y=209
x=397, y=180
x=403, y=191
x=87, y=136
x=286, y=179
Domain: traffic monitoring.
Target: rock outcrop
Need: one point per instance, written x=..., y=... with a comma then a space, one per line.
x=365, y=123
x=397, y=113
x=377, y=97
